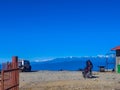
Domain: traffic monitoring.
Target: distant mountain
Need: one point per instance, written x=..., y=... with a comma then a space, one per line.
x=73, y=63
x=54, y=60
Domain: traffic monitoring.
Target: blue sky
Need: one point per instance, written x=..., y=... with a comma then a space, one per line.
x=58, y=28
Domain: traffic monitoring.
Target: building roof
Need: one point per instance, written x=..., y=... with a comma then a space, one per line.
x=116, y=48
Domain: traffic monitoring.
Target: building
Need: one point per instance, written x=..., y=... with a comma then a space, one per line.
x=117, y=65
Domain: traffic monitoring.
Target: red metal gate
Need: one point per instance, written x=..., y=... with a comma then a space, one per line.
x=9, y=79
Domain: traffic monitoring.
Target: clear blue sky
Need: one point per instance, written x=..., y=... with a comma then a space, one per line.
x=58, y=28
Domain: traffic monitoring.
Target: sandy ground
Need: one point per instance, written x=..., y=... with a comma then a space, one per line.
x=68, y=80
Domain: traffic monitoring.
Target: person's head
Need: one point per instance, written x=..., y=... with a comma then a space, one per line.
x=88, y=62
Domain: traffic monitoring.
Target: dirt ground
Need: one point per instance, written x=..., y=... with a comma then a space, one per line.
x=68, y=80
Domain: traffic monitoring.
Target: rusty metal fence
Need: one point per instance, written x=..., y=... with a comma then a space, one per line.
x=9, y=78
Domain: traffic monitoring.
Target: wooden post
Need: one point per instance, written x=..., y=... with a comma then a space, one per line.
x=2, y=80
x=15, y=61
x=15, y=75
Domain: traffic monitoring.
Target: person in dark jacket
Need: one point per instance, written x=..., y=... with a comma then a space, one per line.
x=87, y=73
x=89, y=65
